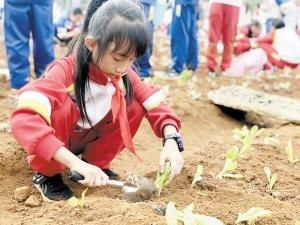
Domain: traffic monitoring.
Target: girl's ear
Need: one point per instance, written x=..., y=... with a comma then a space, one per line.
x=90, y=42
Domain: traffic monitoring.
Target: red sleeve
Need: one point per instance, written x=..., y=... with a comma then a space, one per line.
x=267, y=39
x=161, y=116
x=31, y=121
x=34, y=135
x=158, y=116
x=241, y=46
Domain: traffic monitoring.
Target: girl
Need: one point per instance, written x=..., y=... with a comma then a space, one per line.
x=91, y=102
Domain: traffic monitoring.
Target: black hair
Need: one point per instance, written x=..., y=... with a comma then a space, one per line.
x=254, y=23
x=121, y=22
x=278, y=23
x=77, y=11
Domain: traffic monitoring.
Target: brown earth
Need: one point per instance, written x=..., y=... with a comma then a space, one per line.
x=207, y=133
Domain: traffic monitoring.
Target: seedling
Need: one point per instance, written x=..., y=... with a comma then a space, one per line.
x=297, y=222
x=290, y=153
x=74, y=202
x=246, y=137
x=183, y=77
x=162, y=179
x=272, y=178
x=252, y=215
x=230, y=164
x=271, y=140
x=198, y=175
x=186, y=216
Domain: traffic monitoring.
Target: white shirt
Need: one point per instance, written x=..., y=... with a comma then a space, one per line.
x=287, y=44
x=291, y=14
x=98, y=103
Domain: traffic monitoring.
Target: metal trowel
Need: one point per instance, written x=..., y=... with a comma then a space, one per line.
x=139, y=188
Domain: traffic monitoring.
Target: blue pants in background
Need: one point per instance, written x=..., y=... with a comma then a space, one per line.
x=21, y=19
x=143, y=63
x=184, y=41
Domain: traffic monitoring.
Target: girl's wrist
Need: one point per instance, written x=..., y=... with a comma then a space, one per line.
x=169, y=129
x=65, y=157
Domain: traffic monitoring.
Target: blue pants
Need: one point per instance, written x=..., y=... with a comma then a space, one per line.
x=143, y=63
x=184, y=41
x=20, y=19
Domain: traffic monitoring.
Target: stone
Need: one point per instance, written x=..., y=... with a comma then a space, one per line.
x=260, y=103
x=22, y=193
x=33, y=201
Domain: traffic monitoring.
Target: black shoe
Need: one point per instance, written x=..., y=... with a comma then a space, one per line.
x=111, y=174
x=52, y=188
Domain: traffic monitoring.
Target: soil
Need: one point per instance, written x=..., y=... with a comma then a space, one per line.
x=207, y=133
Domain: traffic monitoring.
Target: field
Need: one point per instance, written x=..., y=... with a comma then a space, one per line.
x=207, y=133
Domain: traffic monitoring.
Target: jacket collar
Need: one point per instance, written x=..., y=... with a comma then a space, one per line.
x=97, y=75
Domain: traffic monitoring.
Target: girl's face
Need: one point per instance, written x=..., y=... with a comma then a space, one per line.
x=116, y=63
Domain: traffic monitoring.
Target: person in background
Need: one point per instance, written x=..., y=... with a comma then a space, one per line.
x=67, y=27
x=91, y=102
x=25, y=19
x=277, y=45
x=184, y=41
x=223, y=21
x=143, y=63
x=271, y=12
x=245, y=35
x=291, y=14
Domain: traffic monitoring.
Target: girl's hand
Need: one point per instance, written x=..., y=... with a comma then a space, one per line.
x=171, y=153
x=93, y=175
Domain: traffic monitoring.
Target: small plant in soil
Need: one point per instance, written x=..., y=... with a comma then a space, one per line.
x=271, y=139
x=230, y=164
x=272, y=178
x=252, y=215
x=162, y=179
x=74, y=202
x=246, y=137
x=290, y=153
x=186, y=216
x=198, y=175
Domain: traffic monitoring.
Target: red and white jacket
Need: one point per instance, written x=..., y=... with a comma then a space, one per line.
x=41, y=127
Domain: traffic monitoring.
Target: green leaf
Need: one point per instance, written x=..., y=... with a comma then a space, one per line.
x=268, y=173
x=171, y=214
x=188, y=215
x=183, y=77
x=273, y=181
x=252, y=215
x=290, y=152
x=81, y=200
x=271, y=140
x=240, y=134
x=206, y=220
x=198, y=175
x=232, y=153
x=229, y=165
x=271, y=178
x=73, y=201
x=162, y=179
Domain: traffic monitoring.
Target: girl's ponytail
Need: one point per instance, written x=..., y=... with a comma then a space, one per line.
x=81, y=75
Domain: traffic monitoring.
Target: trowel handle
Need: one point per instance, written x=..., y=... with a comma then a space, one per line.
x=115, y=184
x=73, y=175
